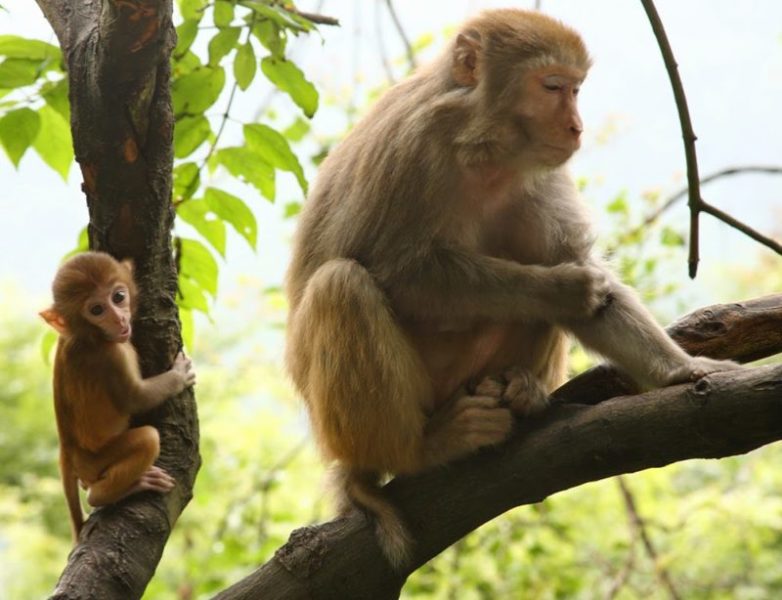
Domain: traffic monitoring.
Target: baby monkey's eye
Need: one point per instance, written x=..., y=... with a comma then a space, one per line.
x=119, y=296
x=96, y=310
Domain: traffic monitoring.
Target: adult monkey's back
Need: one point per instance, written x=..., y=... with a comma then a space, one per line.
x=444, y=242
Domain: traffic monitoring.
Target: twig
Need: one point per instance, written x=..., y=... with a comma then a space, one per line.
x=621, y=578
x=381, y=46
x=639, y=525
x=402, y=35
x=688, y=134
x=745, y=229
x=729, y=172
x=314, y=17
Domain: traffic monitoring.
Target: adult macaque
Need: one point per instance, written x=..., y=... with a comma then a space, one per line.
x=98, y=386
x=444, y=242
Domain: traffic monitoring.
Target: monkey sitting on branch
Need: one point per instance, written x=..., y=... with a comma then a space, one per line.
x=98, y=386
x=443, y=243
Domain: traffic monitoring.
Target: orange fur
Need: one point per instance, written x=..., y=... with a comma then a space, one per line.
x=98, y=386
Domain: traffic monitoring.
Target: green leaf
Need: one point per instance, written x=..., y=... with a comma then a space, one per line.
x=222, y=43
x=234, y=211
x=278, y=15
x=14, y=46
x=274, y=149
x=289, y=78
x=56, y=95
x=187, y=63
x=54, y=144
x=198, y=264
x=250, y=168
x=271, y=36
x=223, y=13
x=18, y=72
x=198, y=214
x=196, y=91
x=192, y=9
x=671, y=237
x=297, y=130
x=244, y=65
x=187, y=178
x=619, y=205
x=18, y=130
x=292, y=209
x=189, y=134
x=188, y=328
x=186, y=34
x=191, y=295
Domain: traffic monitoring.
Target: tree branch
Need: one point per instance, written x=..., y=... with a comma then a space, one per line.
x=402, y=35
x=639, y=525
x=729, y=172
x=688, y=135
x=696, y=202
x=721, y=415
x=742, y=331
x=740, y=226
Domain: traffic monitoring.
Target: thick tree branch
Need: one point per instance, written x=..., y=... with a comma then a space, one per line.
x=721, y=415
x=118, y=56
x=742, y=331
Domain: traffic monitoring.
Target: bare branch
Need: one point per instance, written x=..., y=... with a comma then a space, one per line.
x=398, y=24
x=315, y=18
x=688, y=134
x=639, y=524
x=742, y=227
x=729, y=172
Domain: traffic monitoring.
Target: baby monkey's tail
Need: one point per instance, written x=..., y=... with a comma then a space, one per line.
x=70, y=484
x=358, y=488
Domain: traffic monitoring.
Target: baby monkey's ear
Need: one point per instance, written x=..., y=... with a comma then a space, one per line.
x=56, y=320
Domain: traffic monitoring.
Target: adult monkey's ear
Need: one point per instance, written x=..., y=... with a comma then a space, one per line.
x=465, y=58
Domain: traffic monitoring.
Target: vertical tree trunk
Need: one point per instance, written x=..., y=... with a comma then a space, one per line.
x=118, y=56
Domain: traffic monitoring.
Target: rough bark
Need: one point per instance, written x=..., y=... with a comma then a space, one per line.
x=117, y=56
x=721, y=415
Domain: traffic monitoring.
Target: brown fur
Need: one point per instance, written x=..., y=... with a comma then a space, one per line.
x=98, y=386
x=444, y=242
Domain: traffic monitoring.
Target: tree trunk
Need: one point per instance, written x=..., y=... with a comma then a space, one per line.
x=118, y=56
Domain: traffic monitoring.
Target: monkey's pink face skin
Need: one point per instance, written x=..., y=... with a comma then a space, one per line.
x=109, y=309
x=548, y=111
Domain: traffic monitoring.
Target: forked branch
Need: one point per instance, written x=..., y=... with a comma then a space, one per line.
x=696, y=202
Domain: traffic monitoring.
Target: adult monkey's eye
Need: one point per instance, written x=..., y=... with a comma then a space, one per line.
x=96, y=310
x=552, y=87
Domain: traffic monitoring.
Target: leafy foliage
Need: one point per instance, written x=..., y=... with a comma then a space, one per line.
x=251, y=35
x=243, y=31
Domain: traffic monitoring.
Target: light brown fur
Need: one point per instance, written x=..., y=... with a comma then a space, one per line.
x=98, y=386
x=443, y=243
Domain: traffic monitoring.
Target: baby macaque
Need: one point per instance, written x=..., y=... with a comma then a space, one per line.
x=443, y=243
x=98, y=386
